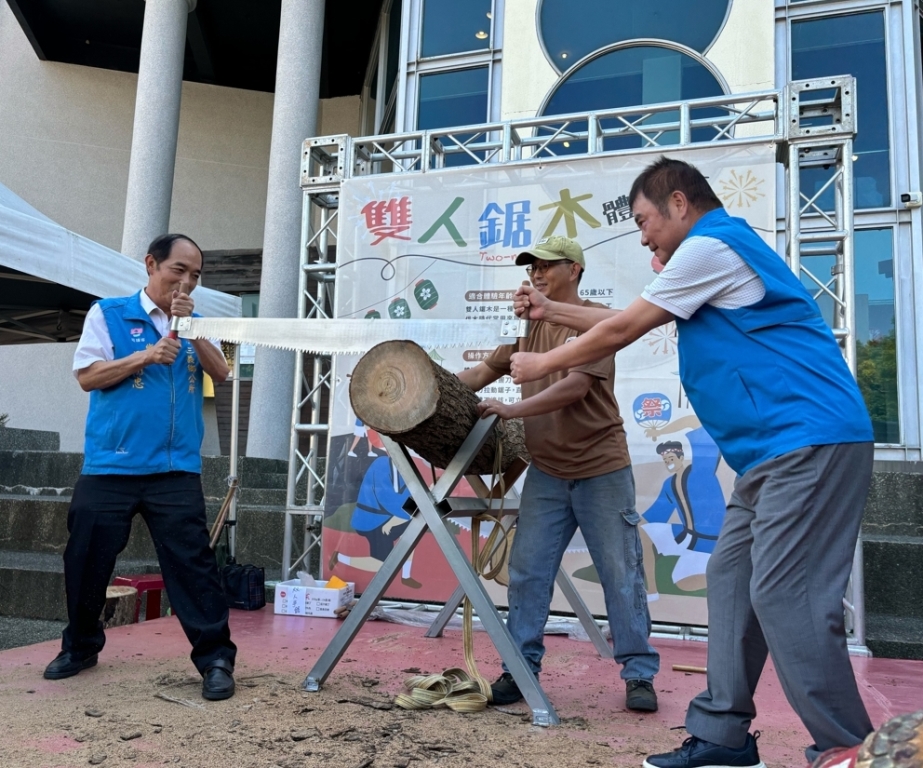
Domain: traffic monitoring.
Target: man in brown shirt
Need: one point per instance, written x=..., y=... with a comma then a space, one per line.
x=580, y=476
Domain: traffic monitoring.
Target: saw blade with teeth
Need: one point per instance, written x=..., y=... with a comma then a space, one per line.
x=350, y=337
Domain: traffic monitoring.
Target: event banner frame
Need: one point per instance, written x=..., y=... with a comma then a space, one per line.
x=442, y=245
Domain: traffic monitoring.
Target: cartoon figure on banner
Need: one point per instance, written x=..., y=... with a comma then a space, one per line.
x=380, y=518
x=359, y=432
x=685, y=519
x=651, y=410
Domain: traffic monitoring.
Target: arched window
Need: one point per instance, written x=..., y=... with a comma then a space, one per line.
x=633, y=75
x=572, y=29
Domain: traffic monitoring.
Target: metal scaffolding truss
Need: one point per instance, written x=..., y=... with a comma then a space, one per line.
x=811, y=123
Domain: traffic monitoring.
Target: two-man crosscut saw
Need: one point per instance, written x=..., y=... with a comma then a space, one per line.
x=350, y=337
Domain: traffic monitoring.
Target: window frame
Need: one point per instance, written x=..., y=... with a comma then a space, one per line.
x=817, y=11
x=640, y=42
x=904, y=89
x=551, y=61
x=374, y=122
x=414, y=65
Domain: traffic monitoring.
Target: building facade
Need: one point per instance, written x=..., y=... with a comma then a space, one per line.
x=66, y=130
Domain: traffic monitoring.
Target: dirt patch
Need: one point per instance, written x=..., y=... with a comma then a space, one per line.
x=161, y=719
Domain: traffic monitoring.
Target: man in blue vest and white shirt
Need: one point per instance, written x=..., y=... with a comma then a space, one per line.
x=768, y=382
x=142, y=455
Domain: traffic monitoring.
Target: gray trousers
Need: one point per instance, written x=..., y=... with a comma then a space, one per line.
x=776, y=582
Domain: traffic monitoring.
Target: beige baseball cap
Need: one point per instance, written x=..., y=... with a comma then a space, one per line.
x=554, y=248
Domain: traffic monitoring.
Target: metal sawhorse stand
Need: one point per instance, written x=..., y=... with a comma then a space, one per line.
x=562, y=580
x=430, y=506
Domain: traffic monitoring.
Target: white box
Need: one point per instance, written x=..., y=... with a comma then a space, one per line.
x=293, y=599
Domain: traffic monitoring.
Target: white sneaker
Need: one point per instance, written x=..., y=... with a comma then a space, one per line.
x=353, y=454
x=372, y=454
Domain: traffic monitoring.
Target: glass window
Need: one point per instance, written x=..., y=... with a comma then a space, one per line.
x=572, y=29
x=631, y=76
x=453, y=98
x=450, y=26
x=876, y=339
x=851, y=45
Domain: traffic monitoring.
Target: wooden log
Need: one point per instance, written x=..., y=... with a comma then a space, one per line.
x=120, y=606
x=398, y=390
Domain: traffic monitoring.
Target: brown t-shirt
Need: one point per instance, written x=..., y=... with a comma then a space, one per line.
x=583, y=439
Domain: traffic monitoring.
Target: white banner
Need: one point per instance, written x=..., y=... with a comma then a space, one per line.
x=443, y=245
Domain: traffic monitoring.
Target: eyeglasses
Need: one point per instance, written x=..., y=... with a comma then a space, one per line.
x=539, y=268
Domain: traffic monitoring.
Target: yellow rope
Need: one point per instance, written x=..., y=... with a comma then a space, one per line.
x=458, y=689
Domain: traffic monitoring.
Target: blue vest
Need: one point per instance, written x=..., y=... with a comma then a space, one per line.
x=152, y=421
x=768, y=378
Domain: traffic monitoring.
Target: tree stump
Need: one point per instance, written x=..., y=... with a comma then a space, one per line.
x=120, y=606
x=399, y=391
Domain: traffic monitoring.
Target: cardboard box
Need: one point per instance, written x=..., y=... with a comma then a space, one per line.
x=293, y=599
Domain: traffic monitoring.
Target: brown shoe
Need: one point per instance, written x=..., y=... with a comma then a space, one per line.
x=334, y=559
x=412, y=583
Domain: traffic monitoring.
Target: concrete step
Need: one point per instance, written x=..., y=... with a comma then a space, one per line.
x=52, y=473
x=15, y=439
x=894, y=637
x=894, y=575
x=895, y=503
x=261, y=497
x=252, y=473
x=48, y=470
x=32, y=583
x=38, y=524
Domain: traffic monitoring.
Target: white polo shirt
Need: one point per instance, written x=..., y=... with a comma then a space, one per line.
x=704, y=270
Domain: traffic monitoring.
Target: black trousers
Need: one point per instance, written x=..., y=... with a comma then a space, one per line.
x=99, y=522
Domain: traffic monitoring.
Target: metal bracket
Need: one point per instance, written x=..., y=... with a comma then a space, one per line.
x=514, y=328
x=822, y=107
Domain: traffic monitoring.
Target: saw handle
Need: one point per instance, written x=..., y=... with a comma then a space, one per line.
x=174, y=324
x=524, y=323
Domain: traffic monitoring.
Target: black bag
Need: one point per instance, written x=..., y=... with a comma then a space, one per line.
x=244, y=586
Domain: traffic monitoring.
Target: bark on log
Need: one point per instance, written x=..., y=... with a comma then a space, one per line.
x=397, y=390
x=120, y=606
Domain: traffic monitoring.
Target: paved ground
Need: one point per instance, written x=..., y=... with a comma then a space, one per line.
x=116, y=709
x=15, y=633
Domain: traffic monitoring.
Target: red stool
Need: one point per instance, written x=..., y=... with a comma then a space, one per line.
x=151, y=583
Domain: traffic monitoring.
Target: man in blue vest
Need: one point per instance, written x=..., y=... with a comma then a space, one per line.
x=142, y=455
x=768, y=382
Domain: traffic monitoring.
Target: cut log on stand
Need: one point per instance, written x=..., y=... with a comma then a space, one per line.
x=399, y=391
x=120, y=606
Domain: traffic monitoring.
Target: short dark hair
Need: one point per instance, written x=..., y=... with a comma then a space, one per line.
x=671, y=446
x=161, y=246
x=664, y=177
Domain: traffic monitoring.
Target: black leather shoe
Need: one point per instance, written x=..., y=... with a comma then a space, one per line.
x=505, y=691
x=67, y=664
x=218, y=682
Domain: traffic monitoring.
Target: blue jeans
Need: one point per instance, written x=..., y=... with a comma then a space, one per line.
x=604, y=508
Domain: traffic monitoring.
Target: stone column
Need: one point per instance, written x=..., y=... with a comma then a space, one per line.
x=294, y=119
x=153, y=140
